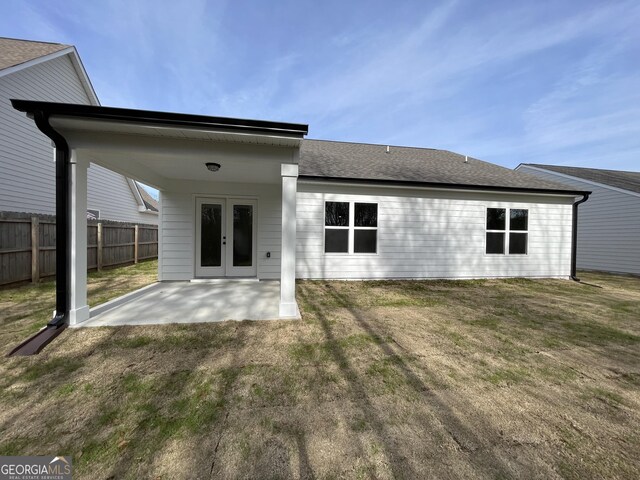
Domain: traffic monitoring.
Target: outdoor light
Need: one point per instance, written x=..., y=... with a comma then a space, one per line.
x=214, y=167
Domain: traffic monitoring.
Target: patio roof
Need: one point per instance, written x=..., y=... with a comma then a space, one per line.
x=157, y=148
x=171, y=119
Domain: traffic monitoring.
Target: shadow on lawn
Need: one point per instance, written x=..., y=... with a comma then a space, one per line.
x=133, y=413
x=467, y=440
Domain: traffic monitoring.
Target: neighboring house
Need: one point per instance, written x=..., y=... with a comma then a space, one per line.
x=252, y=198
x=609, y=223
x=53, y=72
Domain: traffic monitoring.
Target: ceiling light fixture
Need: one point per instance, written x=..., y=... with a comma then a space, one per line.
x=214, y=167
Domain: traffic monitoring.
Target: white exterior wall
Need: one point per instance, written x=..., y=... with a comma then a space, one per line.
x=27, y=168
x=433, y=234
x=608, y=226
x=177, y=231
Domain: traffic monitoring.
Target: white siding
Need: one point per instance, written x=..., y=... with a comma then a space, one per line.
x=110, y=193
x=27, y=173
x=608, y=226
x=433, y=234
x=177, y=232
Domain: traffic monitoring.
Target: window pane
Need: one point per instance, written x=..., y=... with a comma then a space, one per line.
x=210, y=235
x=496, y=218
x=519, y=219
x=336, y=240
x=518, y=243
x=242, y=235
x=366, y=214
x=336, y=214
x=495, y=242
x=364, y=241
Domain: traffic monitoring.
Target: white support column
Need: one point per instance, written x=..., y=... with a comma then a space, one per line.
x=288, y=305
x=160, y=223
x=78, y=307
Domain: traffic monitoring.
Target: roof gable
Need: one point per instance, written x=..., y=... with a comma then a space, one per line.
x=370, y=162
x=150, y=203
x=15, y=52
x=629, y=181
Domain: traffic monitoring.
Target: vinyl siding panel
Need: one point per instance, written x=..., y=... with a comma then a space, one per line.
x=177, y=232
x=27, y=174
x=608, y=226
x=110, y=193
x=432, y=234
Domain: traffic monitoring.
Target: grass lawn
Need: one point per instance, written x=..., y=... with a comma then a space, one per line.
x=433, y=379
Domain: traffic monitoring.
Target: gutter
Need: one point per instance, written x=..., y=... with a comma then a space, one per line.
x=58, y=323
x=62, y=215
x=574, y=235
x=437, y=185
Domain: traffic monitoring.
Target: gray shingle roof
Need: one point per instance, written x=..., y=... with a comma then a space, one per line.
x=358, y=161
x=615, y=178
x=14, y=52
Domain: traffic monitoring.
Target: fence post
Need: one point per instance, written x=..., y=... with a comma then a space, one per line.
x=136, y=238
x=99, y=248
x=35, y=250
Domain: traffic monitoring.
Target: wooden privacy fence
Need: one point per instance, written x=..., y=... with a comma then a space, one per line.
x=28, y=245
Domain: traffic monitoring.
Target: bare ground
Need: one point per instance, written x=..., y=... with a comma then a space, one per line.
x=433, y=379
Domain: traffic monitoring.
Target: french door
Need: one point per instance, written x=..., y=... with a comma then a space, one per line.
x=226, y=237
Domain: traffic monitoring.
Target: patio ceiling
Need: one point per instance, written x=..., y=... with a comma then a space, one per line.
x=157, y=155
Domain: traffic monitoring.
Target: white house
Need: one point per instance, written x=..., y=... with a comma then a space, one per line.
x=609, y=226
x=253, y=199
x=53, y=72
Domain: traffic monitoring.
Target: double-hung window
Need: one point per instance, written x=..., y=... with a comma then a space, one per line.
x=350, y=227
x=507, y=231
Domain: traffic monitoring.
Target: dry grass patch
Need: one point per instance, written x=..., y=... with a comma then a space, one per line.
x=432, y=379
x=26, y=309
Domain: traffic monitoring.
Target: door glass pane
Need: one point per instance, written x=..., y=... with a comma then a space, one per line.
x=364, y=241
x=210, y=235
x=242, y=235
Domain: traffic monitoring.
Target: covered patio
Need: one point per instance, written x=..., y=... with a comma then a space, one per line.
x=227, y=211
x=191, y=302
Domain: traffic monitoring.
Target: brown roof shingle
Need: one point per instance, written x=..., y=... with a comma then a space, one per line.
x=370, y=162
x=14, y=52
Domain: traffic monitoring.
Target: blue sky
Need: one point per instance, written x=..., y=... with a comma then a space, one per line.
x=508, y=82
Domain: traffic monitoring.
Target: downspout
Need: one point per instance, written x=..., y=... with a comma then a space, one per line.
x=574, y=236
x=62, y=217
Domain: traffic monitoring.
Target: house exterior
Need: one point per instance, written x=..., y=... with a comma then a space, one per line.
x=609, y=226
x=254, y=199
x=53, y=72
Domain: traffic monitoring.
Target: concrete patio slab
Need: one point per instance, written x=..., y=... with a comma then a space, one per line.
x=190, y=302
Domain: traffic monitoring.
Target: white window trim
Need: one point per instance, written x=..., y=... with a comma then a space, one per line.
x=507, y=231
x=351, y=228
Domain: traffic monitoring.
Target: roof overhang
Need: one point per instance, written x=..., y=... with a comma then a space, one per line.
x=124, y=120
